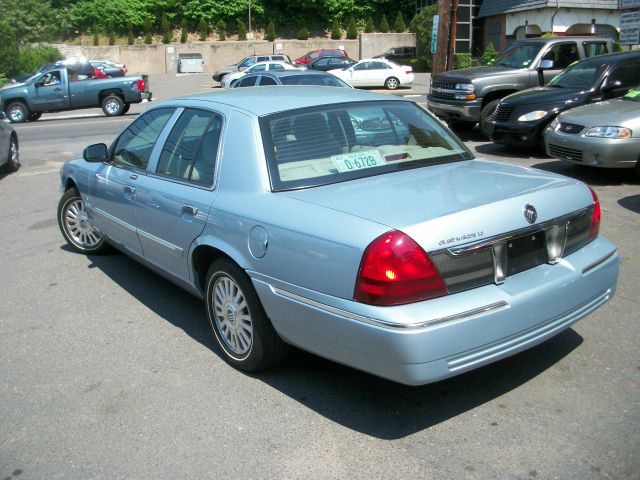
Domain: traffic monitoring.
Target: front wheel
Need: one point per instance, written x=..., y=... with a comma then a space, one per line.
x=75, y=227
x=239, y=323
x=13, y=160
x=392, y=83
x=112, y=105
x=485, y=114
x=18, y=112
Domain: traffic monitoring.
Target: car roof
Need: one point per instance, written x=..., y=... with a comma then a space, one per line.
x=611, y=58
x=271, y=99
x=560, y=39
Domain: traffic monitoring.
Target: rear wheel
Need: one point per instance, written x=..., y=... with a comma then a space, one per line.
x=18, y=112
x=392, y=83
x=75, y=226
x=112, y=105
x=34, y=116
x=126, y=108
x=239, y=323
x=485, y=114
x=13, y=160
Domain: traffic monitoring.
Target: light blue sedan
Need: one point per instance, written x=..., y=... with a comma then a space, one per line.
x=349, y=224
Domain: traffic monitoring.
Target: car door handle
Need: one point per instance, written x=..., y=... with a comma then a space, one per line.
x=129, y=189
x=189, y=210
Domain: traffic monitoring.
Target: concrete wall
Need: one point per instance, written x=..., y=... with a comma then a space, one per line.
x=372, y=44
x=160, y=58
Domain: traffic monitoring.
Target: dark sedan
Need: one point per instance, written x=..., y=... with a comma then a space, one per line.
x=325, y=64
x=520, y=118
x=289, y=77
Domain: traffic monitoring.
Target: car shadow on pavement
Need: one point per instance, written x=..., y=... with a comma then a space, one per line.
x=354, y=399
x=590, y=175
x=630, y=203
x=491, y=148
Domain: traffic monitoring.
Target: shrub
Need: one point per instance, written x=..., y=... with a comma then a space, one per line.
x=617, y=47
x=399, y=25
x=303, y=34
x=242, y=30
x=183, y=31
x=166, y=30
x=336, y=31
x=461, y=60
x=352, y=30
x=203, y=29
x=221, y=28
x=148, y=35
x=369, y=27
x=489, y=54
x=130, y=39
x=271, y=31
x=384, y=24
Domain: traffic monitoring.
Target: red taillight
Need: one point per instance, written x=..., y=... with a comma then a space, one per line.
x=395, y=270
x=122, y=70
x=408, y=70
x=140, y=85
x=597, y=213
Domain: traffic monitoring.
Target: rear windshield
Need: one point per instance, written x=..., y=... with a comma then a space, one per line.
x=322, y=80
x=336, y=143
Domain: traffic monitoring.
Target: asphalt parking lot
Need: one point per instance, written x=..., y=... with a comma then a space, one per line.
x=109, y=371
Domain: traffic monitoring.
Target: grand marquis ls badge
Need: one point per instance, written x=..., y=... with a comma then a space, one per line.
x=530, y=213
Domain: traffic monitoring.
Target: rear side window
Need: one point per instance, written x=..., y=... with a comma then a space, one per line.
x=327, y=80
x=626, y=73
x=342, y=142
x=592, y=49
x=191, y=148
x=264, y=81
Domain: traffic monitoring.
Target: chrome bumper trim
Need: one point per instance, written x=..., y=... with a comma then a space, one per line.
x=384, y=323
x=599, y=262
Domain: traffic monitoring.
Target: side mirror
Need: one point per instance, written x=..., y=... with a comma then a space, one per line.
x=610, y=86
x=96, y=153
x=545, y=65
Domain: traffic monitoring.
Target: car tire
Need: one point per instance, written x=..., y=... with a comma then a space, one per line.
x=112, y=105
x=636, y=170
x=18, y=112
x=239, y=323
x=391, y=83
x=485, y=114
x=461, y=125
x=35, y=116
x=13, y=158
x=126, y=108
x=76, y=230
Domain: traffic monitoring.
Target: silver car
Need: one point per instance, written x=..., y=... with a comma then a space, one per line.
x=396, y=252
x=9, y=147
x=604, y=134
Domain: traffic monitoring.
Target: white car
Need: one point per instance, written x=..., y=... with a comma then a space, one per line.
x=230, y=78
x=376, y=72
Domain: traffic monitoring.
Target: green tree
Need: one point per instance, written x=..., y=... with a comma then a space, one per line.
x=336, y=31
x=148, y=34
x=352, y=30
x=422, y=25
x=221, y=27
x=203, y=29
x=399, y=25
x=271, y=31
x=370, y=27
x=130, y=39
x=31, y=58
x=111, y=32
x=183, y=31
x=489, y=54
x=303, y=34
x=384, y=24
x=166, y=30
x=242, y=30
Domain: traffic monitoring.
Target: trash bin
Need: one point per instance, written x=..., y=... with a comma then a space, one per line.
x=190, y=63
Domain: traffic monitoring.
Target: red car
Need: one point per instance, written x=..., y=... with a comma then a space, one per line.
x=313, y=54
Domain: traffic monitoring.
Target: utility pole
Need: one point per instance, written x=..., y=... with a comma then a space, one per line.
x=439, y=63
x=453, y=36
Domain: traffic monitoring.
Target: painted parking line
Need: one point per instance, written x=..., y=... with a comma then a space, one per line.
x=50, y=123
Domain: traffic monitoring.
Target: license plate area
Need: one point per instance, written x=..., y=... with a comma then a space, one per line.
x=526, y=252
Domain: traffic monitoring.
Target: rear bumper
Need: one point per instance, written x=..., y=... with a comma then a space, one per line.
x=468, y=111
x=463, y=331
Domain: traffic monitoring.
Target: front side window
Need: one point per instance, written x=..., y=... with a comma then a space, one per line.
x=327, y=80
x=191, y=148
x=582, y=75
x=259, y=68
x=246, y=82
x=133, y=148
x=50, y=79
x=336, y=143
x=562, y=55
